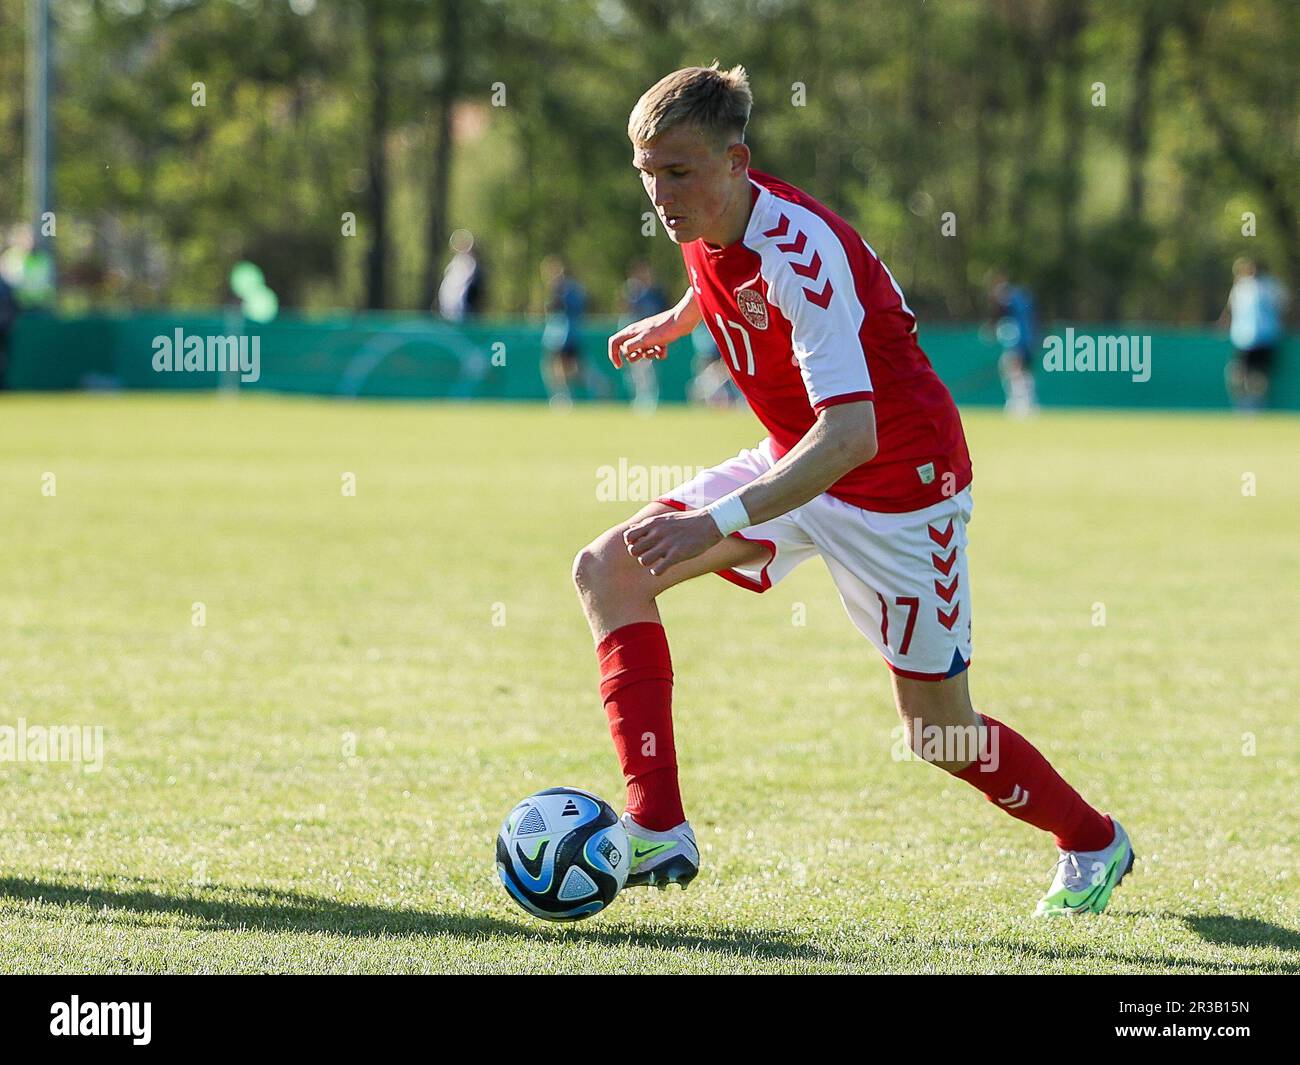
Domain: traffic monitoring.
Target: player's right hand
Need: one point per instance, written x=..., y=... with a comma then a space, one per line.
x=646, y=339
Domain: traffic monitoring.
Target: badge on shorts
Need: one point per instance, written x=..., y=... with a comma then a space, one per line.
x=926, y=473
x=752, y=306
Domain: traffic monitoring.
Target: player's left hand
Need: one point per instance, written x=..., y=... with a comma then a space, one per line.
x=664, y=540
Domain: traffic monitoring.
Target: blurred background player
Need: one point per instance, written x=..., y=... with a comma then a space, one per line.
x=1015, y=324
x=566, y=301
x=642, y=298
x=711, y=384
x=462, y=292
x=1253, y=316
x=28, y=269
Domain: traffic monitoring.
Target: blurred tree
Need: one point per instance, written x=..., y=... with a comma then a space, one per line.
x=375, y=17
x=13, y=31
x=1247, y=94
x=957, y=137
x=451, y=59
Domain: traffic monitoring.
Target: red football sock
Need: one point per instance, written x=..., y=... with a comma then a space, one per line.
x=636, y=684
x=1025, y=785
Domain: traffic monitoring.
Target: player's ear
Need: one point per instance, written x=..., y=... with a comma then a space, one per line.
x=738, y=158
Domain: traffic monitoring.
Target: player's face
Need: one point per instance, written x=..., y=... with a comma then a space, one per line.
x=690, y=180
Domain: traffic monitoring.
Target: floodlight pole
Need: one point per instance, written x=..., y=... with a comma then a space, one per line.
x=39, y=136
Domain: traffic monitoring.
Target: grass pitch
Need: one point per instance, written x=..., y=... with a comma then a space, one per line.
x=312, y=778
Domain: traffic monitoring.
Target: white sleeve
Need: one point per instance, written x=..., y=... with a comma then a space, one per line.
x=812, y=284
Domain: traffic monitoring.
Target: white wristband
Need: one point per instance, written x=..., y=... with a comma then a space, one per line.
x=729, y=514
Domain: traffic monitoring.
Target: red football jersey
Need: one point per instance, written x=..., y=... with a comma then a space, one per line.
x=807, y=316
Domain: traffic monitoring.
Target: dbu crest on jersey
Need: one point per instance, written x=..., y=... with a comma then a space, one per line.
x=752, y=306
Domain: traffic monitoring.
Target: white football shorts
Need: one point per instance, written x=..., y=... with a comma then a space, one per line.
x=901, y=577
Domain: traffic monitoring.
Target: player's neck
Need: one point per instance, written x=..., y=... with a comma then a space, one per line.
x=735, y=221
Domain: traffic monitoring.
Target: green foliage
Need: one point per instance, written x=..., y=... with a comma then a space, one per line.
x=897, y=115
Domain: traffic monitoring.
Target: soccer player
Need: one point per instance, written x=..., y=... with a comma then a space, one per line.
x=1015, y=323
x=864, y=463
x=1254, y=319
x=566, y=301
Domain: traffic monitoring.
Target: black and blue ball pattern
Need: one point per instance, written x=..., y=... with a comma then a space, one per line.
x=562, y=854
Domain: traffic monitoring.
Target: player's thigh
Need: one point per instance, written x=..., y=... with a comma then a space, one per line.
x=606, y=563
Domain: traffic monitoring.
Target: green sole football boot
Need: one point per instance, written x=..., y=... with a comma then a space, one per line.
x=661, y=858
x=1085, y=879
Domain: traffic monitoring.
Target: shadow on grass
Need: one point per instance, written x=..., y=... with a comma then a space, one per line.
x=1225, y=931
x=1219, y=929
x=265, y=909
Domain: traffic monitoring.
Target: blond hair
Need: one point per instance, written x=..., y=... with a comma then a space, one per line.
x=717, y=101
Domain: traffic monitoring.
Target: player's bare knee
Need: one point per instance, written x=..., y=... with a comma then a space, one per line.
x=578, y=573
x=590, y=568
x=605, y=564
x=605, y=567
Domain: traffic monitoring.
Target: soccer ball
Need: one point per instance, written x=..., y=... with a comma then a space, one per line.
x=563, y=854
